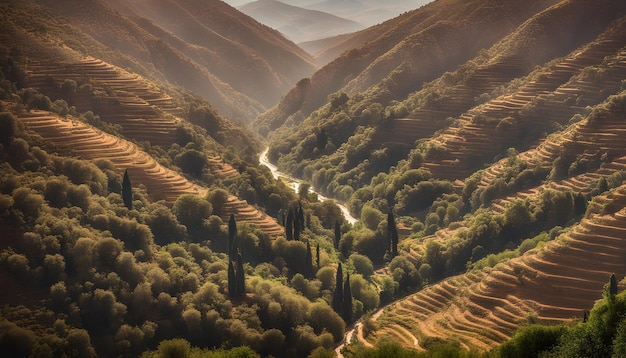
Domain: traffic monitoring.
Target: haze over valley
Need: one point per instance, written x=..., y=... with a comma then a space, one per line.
x=477, y=146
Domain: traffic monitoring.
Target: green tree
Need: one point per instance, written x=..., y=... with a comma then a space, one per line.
x=8, y=127
x=613, y=285
x=347, y=301
x=322, y=139
x=232, y=236
x=362, y=264
x=297, y=224
x=127, y=191
x=392, y=234
x=317, y=255
x=337, y=234
x=192, y=162
x=69, y=90
x=308, y=261
x=240, y=277
x=232, y=281
x=289, y=225
x=191, y=211
x=338, y=293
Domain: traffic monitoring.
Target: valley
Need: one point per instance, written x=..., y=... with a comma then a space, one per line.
x=181, y=179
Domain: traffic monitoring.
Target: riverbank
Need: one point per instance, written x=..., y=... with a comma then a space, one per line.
x=295, y=185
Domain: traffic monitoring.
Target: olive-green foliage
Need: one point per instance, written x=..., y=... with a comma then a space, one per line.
x=530, y=341
x=8, y=127
x=405, y=273
x=181, y=348
x=601, y=335
x=192, y=162
x=191, y=211
x=105, y=273
x=362, y=264
x=364, y=292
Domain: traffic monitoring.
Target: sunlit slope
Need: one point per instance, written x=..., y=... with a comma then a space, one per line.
x=552, y=284
x=141, y=109
x=75, y=138
x=512, y=94
x=424, y=43
x=549, y=96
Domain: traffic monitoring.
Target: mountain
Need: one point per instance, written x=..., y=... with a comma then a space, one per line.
x=480, y=143
x=187, y=54
x=367, y=12
x=406, y=43
x=492, y=133
x=296, y=23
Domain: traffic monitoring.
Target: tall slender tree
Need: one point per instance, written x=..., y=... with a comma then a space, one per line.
x=289, y=225
x=241, y=277
x=308, y=261
x=297, y=226
x=338, y=294
x=317, y=254
x=232, y=281
x=232, y=236
x=127, y=191
x=613, y=285
x=347, y=301
x=337, y=234
x=392, y=234
x=301, y=216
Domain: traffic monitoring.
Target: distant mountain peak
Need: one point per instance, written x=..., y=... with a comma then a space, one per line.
x=297, y=23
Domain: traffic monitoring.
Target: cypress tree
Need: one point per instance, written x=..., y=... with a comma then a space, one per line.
x=337, y=233
x=613, y=285
x=297, y=227
x=289, y=225
x=240, y=277
x=232, y=236
x=580, y=204
x=322, y=139
x=308, y=261
x=232, y=281
x=317, y=254
x=347, y=301
x=127, y=191
x=338, y=294
x=301, y=217
x=392, y=234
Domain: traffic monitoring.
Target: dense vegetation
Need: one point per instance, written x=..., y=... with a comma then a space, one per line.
x=94, y=266
x=602, y=333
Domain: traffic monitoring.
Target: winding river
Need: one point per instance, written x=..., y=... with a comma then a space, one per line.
x=295, y=184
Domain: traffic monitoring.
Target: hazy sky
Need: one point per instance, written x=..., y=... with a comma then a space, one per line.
x=405, y=4
x=365, y=12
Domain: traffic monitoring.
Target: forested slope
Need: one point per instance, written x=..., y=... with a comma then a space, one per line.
x=511, y=155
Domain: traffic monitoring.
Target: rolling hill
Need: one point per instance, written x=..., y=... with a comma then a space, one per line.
x=298, y=24
x=186, y=55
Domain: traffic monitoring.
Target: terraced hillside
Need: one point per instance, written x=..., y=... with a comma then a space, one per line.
x=553, y=284
x=550, y=96
x=117, y=96
x=73, y=137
